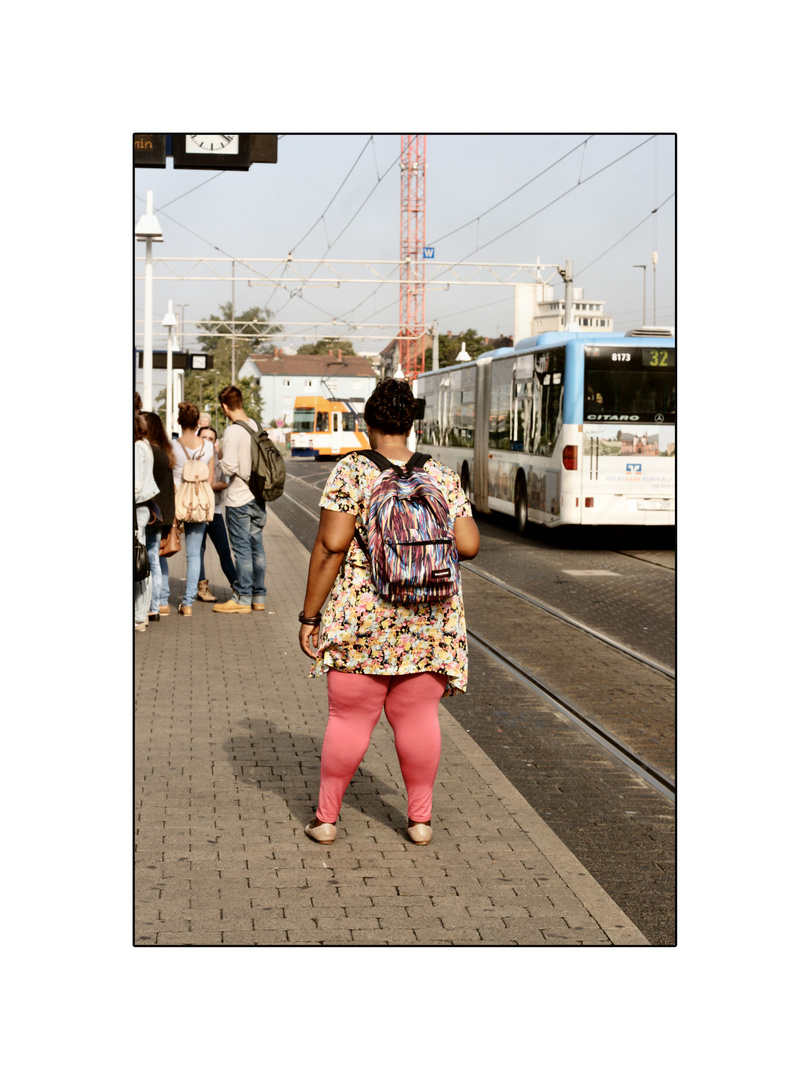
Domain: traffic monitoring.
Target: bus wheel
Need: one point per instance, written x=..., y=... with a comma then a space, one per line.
x=521, y=507
x=465, y=481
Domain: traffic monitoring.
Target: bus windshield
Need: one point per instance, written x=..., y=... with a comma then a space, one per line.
x=630, y=384
x=303, y=419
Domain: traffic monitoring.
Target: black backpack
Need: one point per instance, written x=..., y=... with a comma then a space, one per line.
x=267, y=469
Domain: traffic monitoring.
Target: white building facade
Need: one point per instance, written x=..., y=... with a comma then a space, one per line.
x=537, y=312
x=284, y=378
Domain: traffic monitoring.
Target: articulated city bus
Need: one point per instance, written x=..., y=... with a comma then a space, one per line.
x=325, y=428
x=561, y=429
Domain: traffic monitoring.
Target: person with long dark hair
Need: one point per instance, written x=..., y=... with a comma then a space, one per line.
x=189, y=446
x=378, y=653
x=145, y=489
x=156, y=530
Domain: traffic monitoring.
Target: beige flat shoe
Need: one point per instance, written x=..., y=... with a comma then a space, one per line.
x=420, y=834
x=321, y=834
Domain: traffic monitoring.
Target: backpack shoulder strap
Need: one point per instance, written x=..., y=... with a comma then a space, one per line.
x=251, y=431
x=380, y=460
x=417, y=461
x=198, y=453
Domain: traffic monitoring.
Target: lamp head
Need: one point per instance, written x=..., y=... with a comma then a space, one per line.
x=148, y=228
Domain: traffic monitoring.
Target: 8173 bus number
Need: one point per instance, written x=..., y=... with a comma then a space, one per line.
x=623, y=357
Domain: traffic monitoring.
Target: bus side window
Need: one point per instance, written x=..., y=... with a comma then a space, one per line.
x=335, y=421
x=322, y=421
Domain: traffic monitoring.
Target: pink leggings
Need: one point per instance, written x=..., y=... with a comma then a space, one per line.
x=355, y=706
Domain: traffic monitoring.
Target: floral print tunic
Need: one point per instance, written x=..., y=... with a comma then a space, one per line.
x=361, y=631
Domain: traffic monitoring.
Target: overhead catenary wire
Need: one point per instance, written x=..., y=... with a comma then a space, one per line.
x=573, y=188
x=511, y=195
x=612, y=246
x=350, y=313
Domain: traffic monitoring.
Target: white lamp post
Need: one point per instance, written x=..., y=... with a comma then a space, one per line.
x=149, y=230
x=170, y=322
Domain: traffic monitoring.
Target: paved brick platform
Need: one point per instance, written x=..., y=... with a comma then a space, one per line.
x=228, y=729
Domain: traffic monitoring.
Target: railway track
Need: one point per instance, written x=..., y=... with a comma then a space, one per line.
x=598, y=732
x=534, y=602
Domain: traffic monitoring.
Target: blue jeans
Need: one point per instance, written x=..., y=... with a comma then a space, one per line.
x=219, y=538
x=245, y=524
x=153, y=551
x=164, y=581
x=194, y=531
x=143, y=589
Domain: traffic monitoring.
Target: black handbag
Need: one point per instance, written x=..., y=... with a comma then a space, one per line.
x=142, y=570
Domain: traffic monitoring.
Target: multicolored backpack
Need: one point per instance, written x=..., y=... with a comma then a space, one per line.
x=411, y=545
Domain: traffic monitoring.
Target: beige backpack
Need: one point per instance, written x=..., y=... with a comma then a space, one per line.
x=194, y=501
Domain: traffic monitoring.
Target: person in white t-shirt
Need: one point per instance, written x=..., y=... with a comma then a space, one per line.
x=245, y=516
x=190, y=445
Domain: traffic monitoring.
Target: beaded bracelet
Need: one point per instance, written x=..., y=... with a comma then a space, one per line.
x=314, y=621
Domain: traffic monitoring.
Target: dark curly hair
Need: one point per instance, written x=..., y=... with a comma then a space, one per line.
x=391, y=407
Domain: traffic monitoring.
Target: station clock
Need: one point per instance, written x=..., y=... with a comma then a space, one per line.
x=212, y=152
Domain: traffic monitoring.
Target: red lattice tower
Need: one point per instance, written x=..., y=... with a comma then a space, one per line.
x=412, y=269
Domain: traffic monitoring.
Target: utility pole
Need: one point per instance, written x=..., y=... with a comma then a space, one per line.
x=182, y=323
x=655, y=263
x=643, y=266
x=568, y=277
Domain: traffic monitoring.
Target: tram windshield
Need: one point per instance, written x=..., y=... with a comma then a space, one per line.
x=303, y=419
x=633, y=384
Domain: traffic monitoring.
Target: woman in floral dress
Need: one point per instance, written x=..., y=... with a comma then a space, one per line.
x=403, y=657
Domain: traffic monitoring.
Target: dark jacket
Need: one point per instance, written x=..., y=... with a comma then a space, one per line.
x=162, y=472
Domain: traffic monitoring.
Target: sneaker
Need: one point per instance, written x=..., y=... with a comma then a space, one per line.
x=154, y=616
x=185, y=609
x=165, y=609
x=258, y=607
x=232, y=608
x=140, y=627
x=204, y=593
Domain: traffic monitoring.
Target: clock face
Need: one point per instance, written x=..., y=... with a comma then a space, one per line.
x=212, y=144
x=198, y=363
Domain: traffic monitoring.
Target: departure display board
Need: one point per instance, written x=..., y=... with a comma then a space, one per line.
x=629, y=358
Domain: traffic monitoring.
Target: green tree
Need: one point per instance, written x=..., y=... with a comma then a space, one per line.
x=450, y=347
x=202, y=387
x=322, y=347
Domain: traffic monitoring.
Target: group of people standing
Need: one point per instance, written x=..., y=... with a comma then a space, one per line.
x=235, y=527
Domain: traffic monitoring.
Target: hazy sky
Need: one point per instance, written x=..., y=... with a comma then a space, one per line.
x=338, y=196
